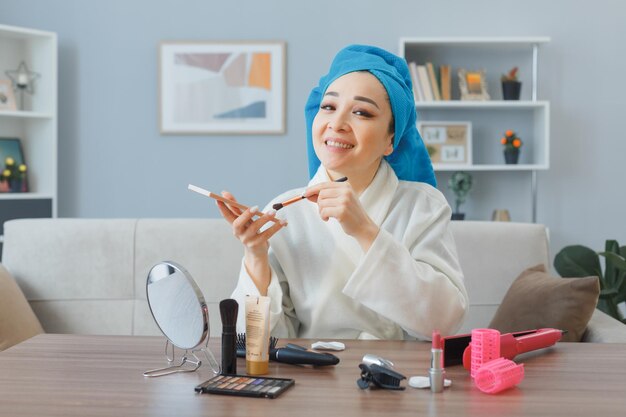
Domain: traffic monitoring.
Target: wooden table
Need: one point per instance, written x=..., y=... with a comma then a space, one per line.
x=72, y=375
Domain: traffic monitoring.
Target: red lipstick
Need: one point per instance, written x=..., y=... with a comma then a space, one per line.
x=436, y=372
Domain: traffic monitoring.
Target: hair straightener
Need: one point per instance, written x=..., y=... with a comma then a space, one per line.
x=457, y=349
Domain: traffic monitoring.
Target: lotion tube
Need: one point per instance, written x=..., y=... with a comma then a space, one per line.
x=257, y=335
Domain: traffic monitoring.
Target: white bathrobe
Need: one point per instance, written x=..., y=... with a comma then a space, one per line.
x=323, y=285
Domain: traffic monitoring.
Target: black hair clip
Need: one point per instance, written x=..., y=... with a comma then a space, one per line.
x=380, y=376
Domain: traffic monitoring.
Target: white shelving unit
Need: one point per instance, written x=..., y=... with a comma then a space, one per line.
x=36, y=125
x=529, y=117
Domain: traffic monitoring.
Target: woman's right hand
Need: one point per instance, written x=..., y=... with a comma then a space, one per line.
x=256, y=242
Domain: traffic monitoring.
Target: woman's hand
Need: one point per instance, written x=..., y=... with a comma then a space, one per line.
x=256, y=242
x=339, y=200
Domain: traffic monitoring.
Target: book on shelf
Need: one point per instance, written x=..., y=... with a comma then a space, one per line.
x=446, y=82
x=433, y=81
x=422, y=75
x=417, y=88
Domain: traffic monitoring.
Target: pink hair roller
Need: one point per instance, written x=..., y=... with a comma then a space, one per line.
x=485, y=347
x=498, y=375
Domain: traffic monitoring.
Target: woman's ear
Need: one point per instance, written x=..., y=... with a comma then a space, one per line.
x=389, y=148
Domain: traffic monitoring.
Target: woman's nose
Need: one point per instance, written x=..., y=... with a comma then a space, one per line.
x=339, y=121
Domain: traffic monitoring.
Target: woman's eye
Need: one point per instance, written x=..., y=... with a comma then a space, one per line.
x=362, y=113
x=327, y=106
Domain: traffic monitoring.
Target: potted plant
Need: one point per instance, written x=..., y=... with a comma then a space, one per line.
x=512, y=144
x=511, y=86
x=581, y=261
x=12, y=177
x=460, y=183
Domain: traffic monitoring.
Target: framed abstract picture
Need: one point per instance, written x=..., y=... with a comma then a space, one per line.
x=222, y=87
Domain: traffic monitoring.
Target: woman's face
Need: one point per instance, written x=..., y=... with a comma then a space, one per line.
x=351, y=130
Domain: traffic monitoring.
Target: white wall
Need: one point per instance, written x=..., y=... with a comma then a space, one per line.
x=114, y=163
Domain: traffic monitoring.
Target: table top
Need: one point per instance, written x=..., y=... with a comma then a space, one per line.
x=74, y=375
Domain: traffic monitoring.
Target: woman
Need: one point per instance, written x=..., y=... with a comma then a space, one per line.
x=371, y=257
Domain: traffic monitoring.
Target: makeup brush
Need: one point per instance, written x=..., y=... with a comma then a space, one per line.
x=292, y=200
x=228, y=312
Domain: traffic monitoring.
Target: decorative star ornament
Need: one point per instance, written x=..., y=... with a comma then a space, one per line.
x=22, y=78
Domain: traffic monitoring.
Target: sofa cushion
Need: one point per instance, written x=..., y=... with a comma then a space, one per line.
x=71, y=259
x=17, y=320
x=537, y=299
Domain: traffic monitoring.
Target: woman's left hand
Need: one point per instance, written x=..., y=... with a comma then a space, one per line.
x=339, y=200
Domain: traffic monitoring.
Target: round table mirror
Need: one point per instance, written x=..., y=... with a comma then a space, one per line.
x=180, y=311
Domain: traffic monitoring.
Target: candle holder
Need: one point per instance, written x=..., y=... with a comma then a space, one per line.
x=23, y=81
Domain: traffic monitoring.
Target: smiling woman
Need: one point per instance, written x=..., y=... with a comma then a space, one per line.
x=371, y=257
x=351, y=130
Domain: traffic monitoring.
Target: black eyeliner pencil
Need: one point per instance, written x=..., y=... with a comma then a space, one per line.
x=278, y=206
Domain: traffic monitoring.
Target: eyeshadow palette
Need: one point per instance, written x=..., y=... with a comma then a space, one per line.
x=245, y=386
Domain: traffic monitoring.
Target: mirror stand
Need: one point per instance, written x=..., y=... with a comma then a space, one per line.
x=187, y=364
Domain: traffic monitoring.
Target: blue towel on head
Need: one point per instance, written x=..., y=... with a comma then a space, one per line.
x=409, y=158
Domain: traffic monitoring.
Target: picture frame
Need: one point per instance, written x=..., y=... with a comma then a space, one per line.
x=12, y=147
x=212, y=88
x=7, y=97
x=473, y=85
x=448, y=143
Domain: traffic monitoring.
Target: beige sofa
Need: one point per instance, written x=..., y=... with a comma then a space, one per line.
x=88, y=275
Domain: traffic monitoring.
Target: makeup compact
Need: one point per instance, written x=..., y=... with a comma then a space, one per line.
x=245, y=386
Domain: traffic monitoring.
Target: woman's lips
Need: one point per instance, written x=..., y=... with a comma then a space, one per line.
x=337, y=144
